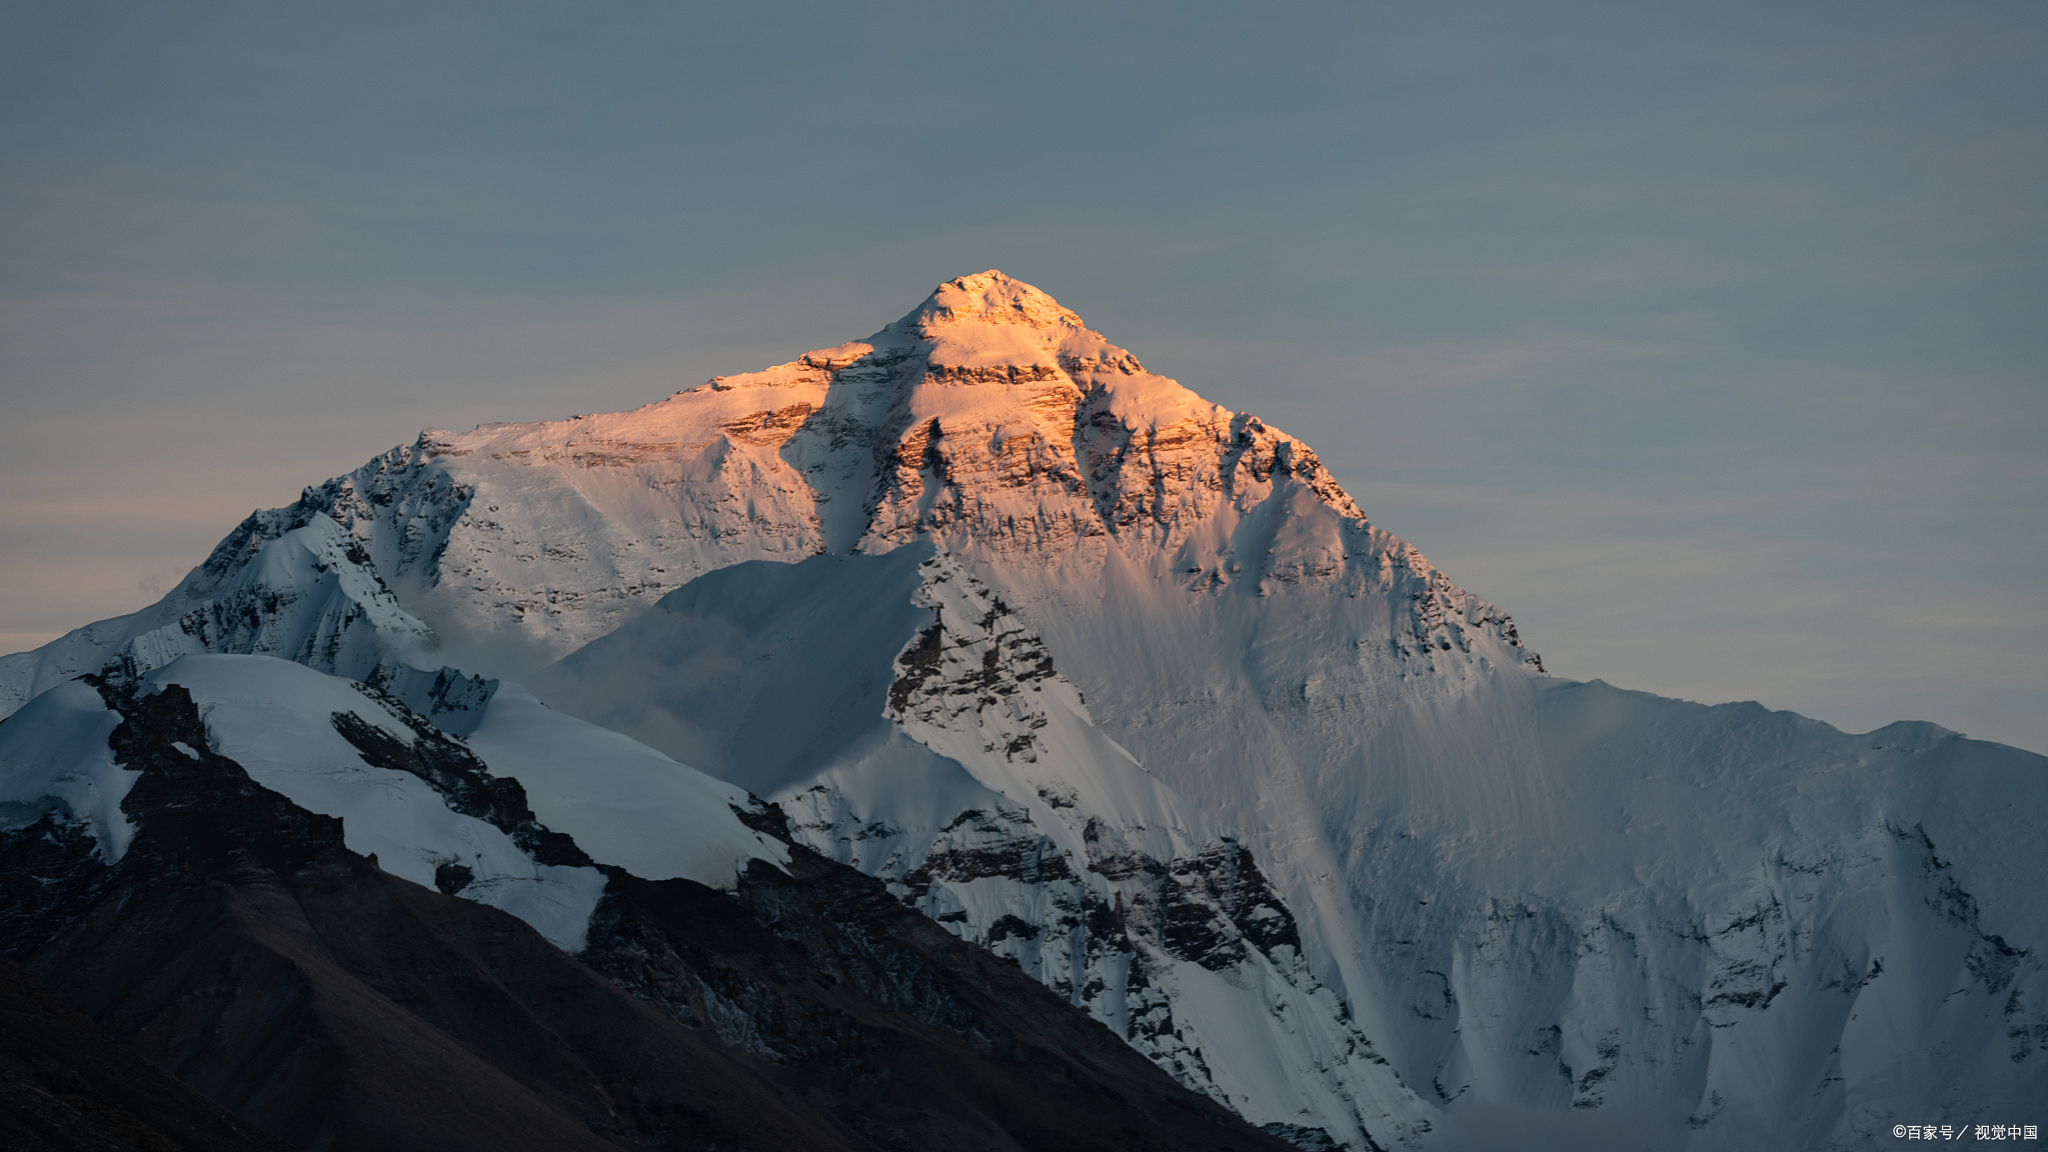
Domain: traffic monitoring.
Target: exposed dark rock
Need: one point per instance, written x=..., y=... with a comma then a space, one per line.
x=49, y=872
x=1303, y=1137
x=462, y=780
x=920, y=662
x=1030, y=859
x=1218, y=902
x=451, y=878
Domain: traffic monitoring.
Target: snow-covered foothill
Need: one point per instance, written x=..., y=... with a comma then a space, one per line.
x=623, y=802
x=54, y=761
x=277, y=720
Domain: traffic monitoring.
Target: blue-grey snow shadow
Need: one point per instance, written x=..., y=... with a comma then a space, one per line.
x=757, y=673
x=1648, y=1126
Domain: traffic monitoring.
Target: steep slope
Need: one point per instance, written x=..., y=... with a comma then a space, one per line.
x=1519, y=891
x=65, y=1086
x=937, y=747
x=239, y=942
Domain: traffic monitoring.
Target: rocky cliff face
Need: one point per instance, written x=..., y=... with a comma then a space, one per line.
x=1098, y=880
x=288, y=583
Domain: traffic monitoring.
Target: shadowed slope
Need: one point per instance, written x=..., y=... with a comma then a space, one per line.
x=65, y=1086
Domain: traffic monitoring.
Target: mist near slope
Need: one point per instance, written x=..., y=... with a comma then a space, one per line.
x=611, y=688
x=674, y=662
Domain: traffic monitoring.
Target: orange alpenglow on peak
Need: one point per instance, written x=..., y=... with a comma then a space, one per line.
x=984, y=321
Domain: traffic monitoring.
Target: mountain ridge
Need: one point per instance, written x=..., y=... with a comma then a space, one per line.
x=1503, y=888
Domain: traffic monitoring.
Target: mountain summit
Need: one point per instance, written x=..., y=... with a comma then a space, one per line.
x=1122, y=686
x=989, y=420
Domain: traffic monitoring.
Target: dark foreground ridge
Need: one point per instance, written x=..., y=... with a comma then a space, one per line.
x=66, y=1086
x=241, y=948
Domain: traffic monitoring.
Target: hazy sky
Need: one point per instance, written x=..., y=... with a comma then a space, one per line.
x=1709, y=340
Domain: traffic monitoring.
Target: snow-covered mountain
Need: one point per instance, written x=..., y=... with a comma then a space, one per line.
x=963, y=768
x=1122, y=685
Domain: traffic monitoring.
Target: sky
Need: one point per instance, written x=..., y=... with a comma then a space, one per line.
x=1711, y=341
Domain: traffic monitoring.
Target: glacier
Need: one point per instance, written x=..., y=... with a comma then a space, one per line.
x=1122, y=685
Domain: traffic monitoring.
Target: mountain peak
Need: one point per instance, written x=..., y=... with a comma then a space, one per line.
x=990, y=320
x=989, y=421
x=989, y=298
